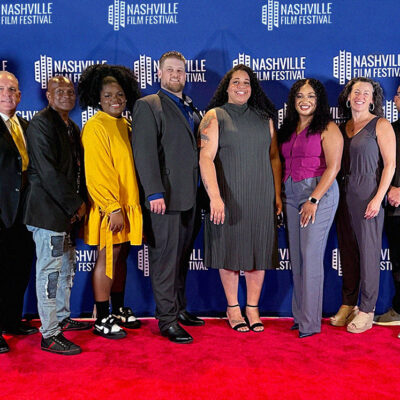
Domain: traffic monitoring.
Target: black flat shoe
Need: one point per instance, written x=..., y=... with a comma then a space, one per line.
x=3, y=345
x=306, y=334
x=21, y=329
x=189, y=319
x=294, y=327
x=177, y=334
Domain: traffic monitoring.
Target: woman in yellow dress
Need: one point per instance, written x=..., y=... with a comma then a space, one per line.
x=114, y=219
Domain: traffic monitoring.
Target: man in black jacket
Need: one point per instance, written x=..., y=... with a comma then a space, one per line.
x=54, y=202
x=16, y=245
x=392, y=228
x=165, y=154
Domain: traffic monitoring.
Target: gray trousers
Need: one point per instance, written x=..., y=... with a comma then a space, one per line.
x=307, y=248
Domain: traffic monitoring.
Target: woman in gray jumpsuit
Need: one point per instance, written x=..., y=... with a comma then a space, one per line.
x=368, y=165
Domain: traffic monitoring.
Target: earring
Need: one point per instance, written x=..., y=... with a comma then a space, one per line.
x=348, y=103
x=372, y=107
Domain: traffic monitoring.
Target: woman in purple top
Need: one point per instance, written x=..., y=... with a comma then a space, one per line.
x=311, y=149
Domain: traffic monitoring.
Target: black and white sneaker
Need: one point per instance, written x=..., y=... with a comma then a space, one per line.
x=59, y=344
x=126, y=318
x=108, y=328
x=69, y=324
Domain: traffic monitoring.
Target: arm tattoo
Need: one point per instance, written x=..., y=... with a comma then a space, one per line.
x=204, y=137
x=205, y=122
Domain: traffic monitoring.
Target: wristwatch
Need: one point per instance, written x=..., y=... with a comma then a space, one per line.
x=313, y=200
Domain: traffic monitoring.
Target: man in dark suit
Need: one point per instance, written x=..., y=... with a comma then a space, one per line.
x=54, y=202
x=165, y=154
x=16, y=245
x=392, y=228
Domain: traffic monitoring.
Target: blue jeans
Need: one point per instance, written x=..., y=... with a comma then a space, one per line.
x=55, y=270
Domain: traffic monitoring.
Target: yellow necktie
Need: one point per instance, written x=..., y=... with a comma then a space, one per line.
x=19, y=142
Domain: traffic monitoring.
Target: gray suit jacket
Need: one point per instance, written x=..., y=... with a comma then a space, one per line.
x=165, y=152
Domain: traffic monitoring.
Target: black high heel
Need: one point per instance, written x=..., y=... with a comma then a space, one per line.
x=239, y=325
x=256, y=324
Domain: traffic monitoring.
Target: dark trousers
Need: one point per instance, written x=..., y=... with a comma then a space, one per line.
x=392, y=228
x=360, y=242
x=16, y=255
x=170, y=241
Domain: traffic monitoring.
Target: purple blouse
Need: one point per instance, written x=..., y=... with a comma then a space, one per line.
x=303, y=156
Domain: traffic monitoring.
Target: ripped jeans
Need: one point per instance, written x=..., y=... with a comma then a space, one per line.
x=55, y=270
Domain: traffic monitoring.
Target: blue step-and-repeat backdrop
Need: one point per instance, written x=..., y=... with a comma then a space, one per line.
x=282, y=40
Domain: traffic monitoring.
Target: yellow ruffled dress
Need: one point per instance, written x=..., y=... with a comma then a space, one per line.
x=111, y=183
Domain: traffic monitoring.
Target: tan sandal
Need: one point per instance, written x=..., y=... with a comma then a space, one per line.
x=344, y=316
x=361, y=323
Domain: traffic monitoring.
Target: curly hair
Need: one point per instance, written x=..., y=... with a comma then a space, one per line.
x=96, y=76
x=321, y=116
x=258, y=99
x=377, y=97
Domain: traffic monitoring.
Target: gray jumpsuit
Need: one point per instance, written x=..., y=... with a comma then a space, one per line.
x=360, y=239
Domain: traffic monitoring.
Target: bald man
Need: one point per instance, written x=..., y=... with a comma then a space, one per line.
x=54, y=204
x=16, y=245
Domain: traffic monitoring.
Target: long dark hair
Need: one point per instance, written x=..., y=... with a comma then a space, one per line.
x=321, y=116
x=258, y=100
x=94, y=77
x=377, y=96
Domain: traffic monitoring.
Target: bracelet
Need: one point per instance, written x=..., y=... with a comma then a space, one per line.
x=313, y=200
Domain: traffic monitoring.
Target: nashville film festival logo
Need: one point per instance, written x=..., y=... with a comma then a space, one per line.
x=336, y=264
x=277, y=13
x=384, y=264
x=3, y=65
x=26, y=114
x=26, y=13
x=282, y=114
x=121, y=14
x=90, y=111
x=391, y=113
x=85, y=260
x=195, y=264
x=46, y=68
x=274, y=68
x=347, y=66
x=284, y=259
x=145, y=69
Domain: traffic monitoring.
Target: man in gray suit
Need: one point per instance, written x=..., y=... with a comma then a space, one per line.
x=166, y=159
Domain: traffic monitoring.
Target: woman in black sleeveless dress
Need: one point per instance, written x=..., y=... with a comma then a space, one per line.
x=368, y=165
x=241, y=171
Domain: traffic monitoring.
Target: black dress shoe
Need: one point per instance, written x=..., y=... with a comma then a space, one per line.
x=3, y=345
x=306, y=334
x=177, y=334
x=21, y=329
x=294, y=327
x=188, y=319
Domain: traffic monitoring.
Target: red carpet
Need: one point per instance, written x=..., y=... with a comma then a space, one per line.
x=219, y=364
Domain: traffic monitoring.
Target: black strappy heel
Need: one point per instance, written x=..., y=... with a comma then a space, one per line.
x=239, y=325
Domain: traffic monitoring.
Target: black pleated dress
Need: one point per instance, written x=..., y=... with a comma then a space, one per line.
x=248, y=239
